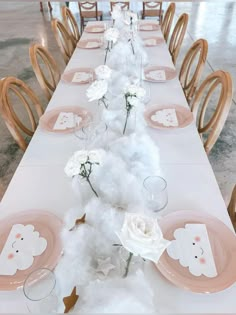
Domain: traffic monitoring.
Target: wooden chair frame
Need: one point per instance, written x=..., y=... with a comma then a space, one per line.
x=88, y=6
x=202, y=97
x=70, y=24
x=47, y=83
x=12, y=121
x=152, y=9
x=64, y=39
x=232, y=208
x=41, y=6
x=123, y=4
x=190, y=81
x=168, y=20
x=177, y=36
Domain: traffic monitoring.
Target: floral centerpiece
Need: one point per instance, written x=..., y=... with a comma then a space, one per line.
x=82, y=163
x=111, y=35
x=97, y=91
x=142, y=236
x=103, y=72
x=133, y=94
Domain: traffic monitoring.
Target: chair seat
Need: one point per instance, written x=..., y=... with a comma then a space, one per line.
x=152, y=13
x=90, y=14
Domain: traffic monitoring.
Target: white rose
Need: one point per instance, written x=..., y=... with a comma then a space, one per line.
x=103, y=72
x=97, y=90
x=112, y=34
x=72, y=167
x=142, y=236
x=116, y=13
x=136, y=90
x=95, y=156
x=132, y=100
x=128, y=17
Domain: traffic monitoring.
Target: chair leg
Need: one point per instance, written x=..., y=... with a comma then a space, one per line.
x=49, y=5
x=41, y=6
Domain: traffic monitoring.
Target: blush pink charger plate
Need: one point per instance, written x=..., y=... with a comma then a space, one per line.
x=68, y=75
x=223, y=245
x=158, y=40
x=184, y=116
x=94, y=29
x=48, y=120
x=154, y=26
x=169, y=72
x=49, y=226
x=83, y=43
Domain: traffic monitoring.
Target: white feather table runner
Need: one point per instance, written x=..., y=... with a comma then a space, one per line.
x=127, y=161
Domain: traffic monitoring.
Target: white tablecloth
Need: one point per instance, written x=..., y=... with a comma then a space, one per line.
x=40, y=182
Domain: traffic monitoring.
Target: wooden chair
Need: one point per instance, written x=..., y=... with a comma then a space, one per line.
x=13, y=89
x=41, y=6
x=70, y=24
x=152, y=9
x=123, y=4
x=232, y=208
x=88, y=10
x=218, y=81
x=177, y=36
x=64, y=39
x=192, y=67
x=45, y=69
x=168, y=20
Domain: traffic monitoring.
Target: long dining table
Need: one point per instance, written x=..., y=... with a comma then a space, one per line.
x=40, y=182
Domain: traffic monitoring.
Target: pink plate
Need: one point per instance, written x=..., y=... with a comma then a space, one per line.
x=148, y=27
x=223, y=245
x=84, y=42
x=49, y=226
x=169, y=72
x=94, y=29
x=48, y=120
x=68, y=76
x=158, y=41
x=184, y=116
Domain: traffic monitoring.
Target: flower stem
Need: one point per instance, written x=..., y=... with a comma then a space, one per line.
x=107, y=49
x=87, y=178
x=126, y=120
x=127, y=266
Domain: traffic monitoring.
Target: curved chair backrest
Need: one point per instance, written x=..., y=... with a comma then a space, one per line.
x=88, y=6
x=123, y=4
x=70, y=24
x=232, y=207
x=14, y=90
x=64, y=39
x=168, y=20
x=152, y=9
x=177, y=36
x=218, y=81
x=192, y=67
x=45, y=69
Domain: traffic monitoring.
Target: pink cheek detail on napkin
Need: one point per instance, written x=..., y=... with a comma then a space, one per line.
x=193, y=250
x=22, y=245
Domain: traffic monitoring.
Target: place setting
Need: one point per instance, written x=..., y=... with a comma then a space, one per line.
x=92, y=43
x=78, y=76
x=148, y=27
x=65, y=119
x=159, y=74
x=153, y=41
x=95, y=28
x=168, y=117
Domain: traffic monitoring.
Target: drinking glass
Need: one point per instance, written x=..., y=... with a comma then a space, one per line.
x=94, y=134
x=155, y=193
x=39, y=290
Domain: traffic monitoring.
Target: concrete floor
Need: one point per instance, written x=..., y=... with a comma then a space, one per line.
x=21, y=23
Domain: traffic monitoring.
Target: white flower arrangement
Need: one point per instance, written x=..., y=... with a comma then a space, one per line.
x=142, y=236
x=112, y=34
x=116, y=12
x=103, y=72
x=133, y=94
x=81, y=163
x=131, y=18
x=97, y=91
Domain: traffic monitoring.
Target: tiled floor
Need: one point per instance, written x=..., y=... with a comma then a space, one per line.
x=21, y=23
